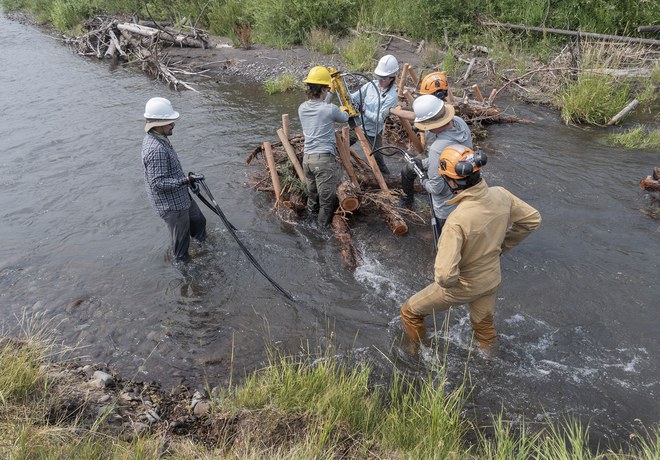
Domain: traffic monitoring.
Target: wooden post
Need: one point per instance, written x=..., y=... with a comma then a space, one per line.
x=291, y=154
x=414, y=140
x=285, y=124
x=401, y=113
x=413, y=75
x=450, y=97
x=268, y=152
x=491, y=98
x=404, y=74
x=345, y=157
x=366, y=148
x=477, y=93
x=408, y=97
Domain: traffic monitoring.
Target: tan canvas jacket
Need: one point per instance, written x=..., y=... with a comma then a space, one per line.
x=487, y=222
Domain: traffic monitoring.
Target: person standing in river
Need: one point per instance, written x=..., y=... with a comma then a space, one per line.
x=436, y=117
x=318, y=119
x=487, y=222
x=374, y=100
x=167, y=185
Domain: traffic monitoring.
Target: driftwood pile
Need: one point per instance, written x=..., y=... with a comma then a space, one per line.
x=651, y=183
x=107, y=37
x=365, y=188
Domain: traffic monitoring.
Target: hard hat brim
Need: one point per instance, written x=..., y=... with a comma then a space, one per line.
x=154, y=123
x=433, y=123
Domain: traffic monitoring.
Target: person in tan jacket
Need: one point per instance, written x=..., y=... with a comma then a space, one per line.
x=487, y=222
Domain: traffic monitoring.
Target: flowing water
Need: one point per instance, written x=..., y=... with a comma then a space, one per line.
x=84, y=255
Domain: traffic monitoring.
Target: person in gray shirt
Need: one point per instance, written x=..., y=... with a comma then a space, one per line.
x=433, y=115
x=318, y=119
x=167, y=185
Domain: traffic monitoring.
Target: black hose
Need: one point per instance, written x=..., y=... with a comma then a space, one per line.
x=232, y=230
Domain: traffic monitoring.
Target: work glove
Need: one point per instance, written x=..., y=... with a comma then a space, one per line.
x=343, y=108
x=194, y=177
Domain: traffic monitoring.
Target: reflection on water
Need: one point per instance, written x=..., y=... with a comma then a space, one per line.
x=81, y=246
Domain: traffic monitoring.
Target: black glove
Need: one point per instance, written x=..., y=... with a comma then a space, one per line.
x=194, y=177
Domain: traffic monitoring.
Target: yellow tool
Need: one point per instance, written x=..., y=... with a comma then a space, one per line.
x=339, y=86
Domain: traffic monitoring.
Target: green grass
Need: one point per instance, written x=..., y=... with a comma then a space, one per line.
x=321, y=40
x=592, y=99
x=313, y=405
x=358, y=54
x=637, y=138
x=282, y=84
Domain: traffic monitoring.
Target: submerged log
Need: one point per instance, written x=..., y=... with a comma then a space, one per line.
x=347, y=196
x=623, y=112
x=349, y=252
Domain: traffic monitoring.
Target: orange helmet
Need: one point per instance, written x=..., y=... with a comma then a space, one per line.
x=458, y=161
x=433, y=82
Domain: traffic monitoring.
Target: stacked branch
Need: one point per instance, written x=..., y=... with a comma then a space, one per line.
x=107, y=37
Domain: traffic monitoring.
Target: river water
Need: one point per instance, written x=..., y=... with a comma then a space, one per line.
x=84, y=257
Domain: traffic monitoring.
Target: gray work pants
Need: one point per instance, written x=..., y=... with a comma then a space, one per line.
x=182, y=225
x=321, y=176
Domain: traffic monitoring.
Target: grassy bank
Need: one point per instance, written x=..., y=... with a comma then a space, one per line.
x=314, y=406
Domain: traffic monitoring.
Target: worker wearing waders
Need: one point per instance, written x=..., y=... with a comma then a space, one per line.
x=435, y=85
x=487, y=222
x=318, y=119
x=167, y=185
x=436, y=117
x=374, y=100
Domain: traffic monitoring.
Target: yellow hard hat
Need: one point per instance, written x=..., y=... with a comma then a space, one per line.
x=318, y=75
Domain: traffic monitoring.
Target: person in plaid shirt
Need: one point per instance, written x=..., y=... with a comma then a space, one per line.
x=167, y=185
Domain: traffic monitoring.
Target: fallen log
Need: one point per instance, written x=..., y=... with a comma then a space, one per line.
x=349, y=252
x=623, y=112
x=392, y=217
x=574, y=33
x=347, y=196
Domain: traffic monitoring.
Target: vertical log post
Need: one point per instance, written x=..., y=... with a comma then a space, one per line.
x=402, y=80
x=345, y=157
x=450, y=97
x=270, y=160
x=366, y=148
x=408, y=97
x=413, y=75
x=291, y=153
x=414, y=140
x=491, y=98
x=477, y=93
x=285, y=125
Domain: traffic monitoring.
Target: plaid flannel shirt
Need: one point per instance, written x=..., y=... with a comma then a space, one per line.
x=163, y=175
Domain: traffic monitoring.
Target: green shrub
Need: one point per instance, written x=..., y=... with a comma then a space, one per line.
x=592, y=99
x=282, y=23
x=282, y=84
x=321, y=40
x=358, y=54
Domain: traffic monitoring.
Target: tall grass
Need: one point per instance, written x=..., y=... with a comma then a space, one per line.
x=637, y=138
x=282, y=84
x=358, y=54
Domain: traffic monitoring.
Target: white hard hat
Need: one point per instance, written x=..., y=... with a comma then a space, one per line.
x=387, y=66
x=431, y=112
x=159, y=108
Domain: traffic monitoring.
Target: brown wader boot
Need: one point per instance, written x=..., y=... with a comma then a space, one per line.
x=484, y=332
x=413, y=325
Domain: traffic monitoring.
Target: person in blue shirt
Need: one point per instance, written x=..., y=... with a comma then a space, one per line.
x=375, y=99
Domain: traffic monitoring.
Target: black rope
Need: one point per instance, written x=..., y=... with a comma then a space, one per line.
x=232, y=230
